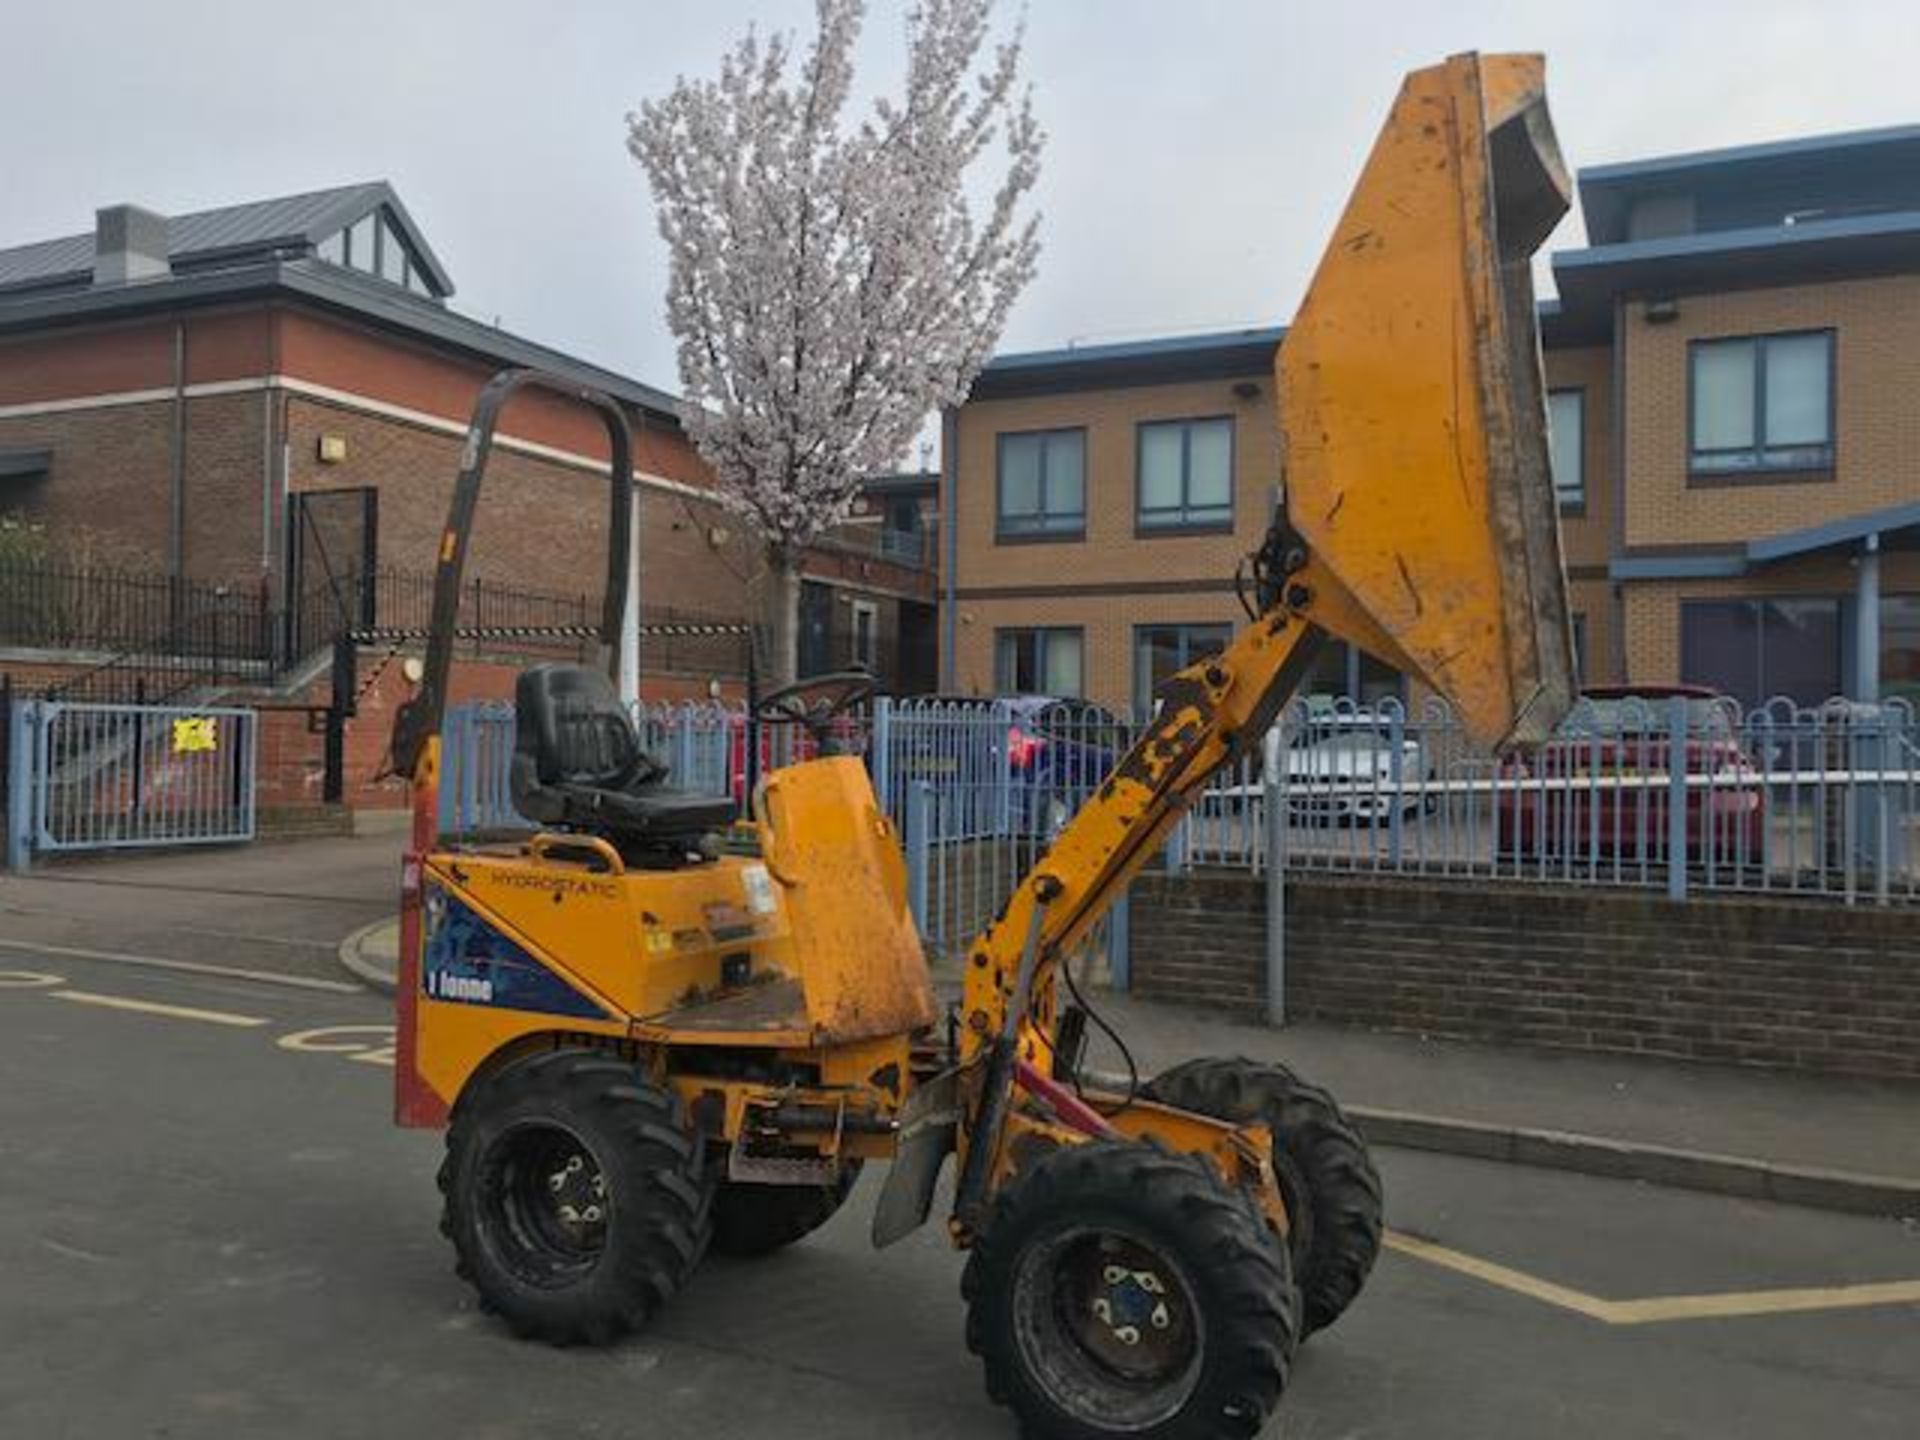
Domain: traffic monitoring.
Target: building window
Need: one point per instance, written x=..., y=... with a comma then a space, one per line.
x=1762, y=403
x=1039, y=662
x=1579, y=648
x=1754, y=650
x=1900, y=648
x=374, y=245
x=361, y=244
x=1344, y=672
x=1186, y=474
x=393, y=254
x=866, y=626
x=1567, y=429
x=1043, y=485
x=1162, y=651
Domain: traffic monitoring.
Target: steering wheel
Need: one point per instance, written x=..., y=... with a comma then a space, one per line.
x=817, y=701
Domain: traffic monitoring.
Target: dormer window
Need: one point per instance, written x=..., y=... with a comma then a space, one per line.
x=374, y=246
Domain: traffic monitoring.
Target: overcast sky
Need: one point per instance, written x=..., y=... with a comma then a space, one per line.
x=1199, y=149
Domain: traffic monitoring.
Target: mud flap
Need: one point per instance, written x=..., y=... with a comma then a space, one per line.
x=929, y=1125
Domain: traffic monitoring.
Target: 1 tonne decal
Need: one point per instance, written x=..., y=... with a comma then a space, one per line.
x=468, y=962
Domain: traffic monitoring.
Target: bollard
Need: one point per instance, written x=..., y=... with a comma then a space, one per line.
x=1273, y=793
x=1677, y=797
x=919, y=801
x=22, y=746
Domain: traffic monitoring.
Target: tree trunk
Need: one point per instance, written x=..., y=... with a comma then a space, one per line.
x=779, y=619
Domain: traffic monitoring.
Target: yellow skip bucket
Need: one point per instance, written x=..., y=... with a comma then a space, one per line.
x=1412, y=401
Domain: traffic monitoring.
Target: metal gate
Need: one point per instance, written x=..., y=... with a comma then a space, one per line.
x=332, y=541
x=104, y=777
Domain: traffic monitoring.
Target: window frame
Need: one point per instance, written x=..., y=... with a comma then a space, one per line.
x=1002, y=634
x=1763, y=472
x=1143, y=686
x=1002, y=534
x=1143, y=529
x=1575, y=504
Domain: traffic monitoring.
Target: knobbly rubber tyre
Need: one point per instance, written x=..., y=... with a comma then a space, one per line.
x=1200, y=1281
x=753, y=1219
x=635, y=1236
x=1316, y=1149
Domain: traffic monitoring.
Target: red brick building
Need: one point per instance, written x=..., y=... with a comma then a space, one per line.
x=270, y=398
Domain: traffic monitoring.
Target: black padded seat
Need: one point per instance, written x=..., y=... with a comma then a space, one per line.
x=577, y=763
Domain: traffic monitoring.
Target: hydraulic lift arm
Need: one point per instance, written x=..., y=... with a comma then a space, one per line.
x=1418, y=520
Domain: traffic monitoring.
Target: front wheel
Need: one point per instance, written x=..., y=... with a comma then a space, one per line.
x=1333, y=1192
x=574, y=1196
x=1121, y=1289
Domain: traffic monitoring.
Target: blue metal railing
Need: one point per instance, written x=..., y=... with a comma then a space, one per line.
x=88, y=776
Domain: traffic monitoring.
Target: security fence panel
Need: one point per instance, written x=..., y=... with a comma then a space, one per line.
x=112, y=776
x=1682, y=793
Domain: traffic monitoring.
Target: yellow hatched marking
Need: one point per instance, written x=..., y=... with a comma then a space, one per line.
x=1506, y=1278
x=1656, y=1310
x=154, y=1007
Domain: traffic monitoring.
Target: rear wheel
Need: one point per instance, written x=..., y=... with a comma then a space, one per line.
x=1333, y=1192
x=754, y=1219
x=1120, y=1289
x=574, y=1196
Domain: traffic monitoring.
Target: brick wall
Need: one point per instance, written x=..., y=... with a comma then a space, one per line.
x=105, y=499
x=1586, y=532
x=1756, y=982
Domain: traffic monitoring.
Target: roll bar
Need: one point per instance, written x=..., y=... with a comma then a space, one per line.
x=419, y=718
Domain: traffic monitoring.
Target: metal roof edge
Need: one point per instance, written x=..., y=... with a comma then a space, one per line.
x=1845, y=531
x=1745, y=239
x=340, y=289
x=1136, y=349
x=1623, y=171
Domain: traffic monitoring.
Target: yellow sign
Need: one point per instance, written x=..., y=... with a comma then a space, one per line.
x=194, y=733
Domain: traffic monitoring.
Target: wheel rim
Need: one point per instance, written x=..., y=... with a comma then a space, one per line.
x=546, y=1205
x=1108, y=1326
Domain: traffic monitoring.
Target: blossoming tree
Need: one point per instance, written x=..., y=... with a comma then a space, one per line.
x=832, y=283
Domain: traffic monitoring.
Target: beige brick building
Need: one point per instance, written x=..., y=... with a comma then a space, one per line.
x=1732, y=365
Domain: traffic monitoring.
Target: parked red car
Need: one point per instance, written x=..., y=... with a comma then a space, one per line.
x=1599, y=790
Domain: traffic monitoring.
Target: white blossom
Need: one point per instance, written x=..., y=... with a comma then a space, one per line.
x=831, y=284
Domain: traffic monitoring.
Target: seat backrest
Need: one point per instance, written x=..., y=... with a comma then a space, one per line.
x=571, y=728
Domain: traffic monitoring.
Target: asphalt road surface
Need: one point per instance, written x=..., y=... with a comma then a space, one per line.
x=208, y=1228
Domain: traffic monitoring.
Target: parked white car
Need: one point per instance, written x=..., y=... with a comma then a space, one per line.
x=1340, y=768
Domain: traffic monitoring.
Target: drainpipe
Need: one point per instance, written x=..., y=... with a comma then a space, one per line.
x=950, y=542
x=177, y=513
x=1866, y=622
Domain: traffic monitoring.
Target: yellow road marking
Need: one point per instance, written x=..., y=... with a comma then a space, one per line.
x=186, y=967
x=1662, y=1309
x=375, y=1049
x=154, y=1007
x=29, y=980
x=1765, y=1302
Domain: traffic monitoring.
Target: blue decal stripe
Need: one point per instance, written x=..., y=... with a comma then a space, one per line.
x=469, y=962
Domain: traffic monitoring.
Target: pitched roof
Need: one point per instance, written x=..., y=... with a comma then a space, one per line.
x=257, y=229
